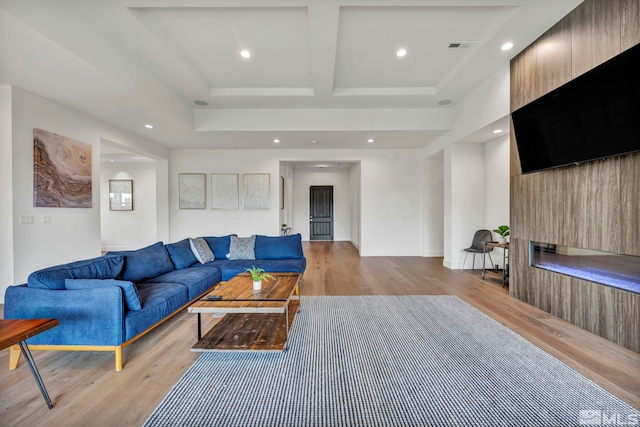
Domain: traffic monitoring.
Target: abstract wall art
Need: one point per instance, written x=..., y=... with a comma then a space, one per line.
x=191, y=190
x=224, y=191
x=61, y=171
x=256, y=190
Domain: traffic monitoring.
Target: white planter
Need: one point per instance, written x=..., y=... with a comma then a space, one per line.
x=502, y=239
x=257, y=285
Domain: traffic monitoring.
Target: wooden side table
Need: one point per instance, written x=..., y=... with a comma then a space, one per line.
x=17, y=331
x=505, y=248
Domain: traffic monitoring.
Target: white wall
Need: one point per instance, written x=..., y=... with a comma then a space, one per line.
x=476, y=176
x=355, y=184
x=74, y=233
x=467, y=203
x=390, y=195
x=125, y=230
x=433, y=208
x=6, y=191
x=286, y=172
x=488, y=103
x=303, y=179
x=496, y=178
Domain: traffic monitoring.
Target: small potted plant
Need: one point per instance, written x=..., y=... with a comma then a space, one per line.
x=503, y=232
x=258, y=275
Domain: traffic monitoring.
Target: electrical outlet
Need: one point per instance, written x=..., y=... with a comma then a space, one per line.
x=46, y=219
x=26, y=219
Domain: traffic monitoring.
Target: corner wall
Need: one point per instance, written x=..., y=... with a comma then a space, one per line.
x=73, y=233
x=591, y=206
x=6, y=191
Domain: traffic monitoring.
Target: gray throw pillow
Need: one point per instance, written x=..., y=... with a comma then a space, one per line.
x=242, y=247
x=201, y=250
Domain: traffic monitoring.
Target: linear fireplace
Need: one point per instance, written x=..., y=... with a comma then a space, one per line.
x=607, y=268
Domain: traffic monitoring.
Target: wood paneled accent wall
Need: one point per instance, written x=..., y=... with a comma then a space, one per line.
x=595, y=205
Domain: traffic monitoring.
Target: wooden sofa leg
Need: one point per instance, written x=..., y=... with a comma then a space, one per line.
x=14, y=357
x=118, y=358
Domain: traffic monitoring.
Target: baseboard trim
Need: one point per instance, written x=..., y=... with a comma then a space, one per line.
x=433, y=255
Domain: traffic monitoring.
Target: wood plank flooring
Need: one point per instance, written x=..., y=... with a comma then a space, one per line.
x=87, y=391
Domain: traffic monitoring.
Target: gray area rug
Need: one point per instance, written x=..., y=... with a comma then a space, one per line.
x=390, y=361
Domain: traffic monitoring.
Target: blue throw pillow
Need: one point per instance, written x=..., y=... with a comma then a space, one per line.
x=146, y=263
x=280, y=247
x=128, y=288
x=105, y=267
x=219, y=245
x=181, y=254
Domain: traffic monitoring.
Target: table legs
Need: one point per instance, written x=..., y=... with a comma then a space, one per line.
x=34, y=370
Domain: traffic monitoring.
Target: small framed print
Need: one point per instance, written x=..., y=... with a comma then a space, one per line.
x=121, y=194
x=192, y=190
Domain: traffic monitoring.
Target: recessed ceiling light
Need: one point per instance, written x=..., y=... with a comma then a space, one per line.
x=444, y=102
x=506, y=46
x=497, y=131
x=245, y=53
x=315, y=141
x=370, y=140
x=276, y=141
x=401, y=52
x=201, y=102
x=148, y=126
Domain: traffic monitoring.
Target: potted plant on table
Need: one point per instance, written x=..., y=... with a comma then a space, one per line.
x=503, y=232
x=258, y=275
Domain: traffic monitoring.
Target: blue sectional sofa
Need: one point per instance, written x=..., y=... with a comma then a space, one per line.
x=106, y=303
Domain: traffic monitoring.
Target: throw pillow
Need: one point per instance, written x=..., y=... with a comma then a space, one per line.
x=129, y=290
x=201, y=250
x=181, y=254
x=143, y=264
x=106, y=267
x=242, y=247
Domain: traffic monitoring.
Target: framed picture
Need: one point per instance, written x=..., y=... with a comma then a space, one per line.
x=256, y=190
x=224, y=191
x=121, y=194
x=191, y=190
x=281, y=192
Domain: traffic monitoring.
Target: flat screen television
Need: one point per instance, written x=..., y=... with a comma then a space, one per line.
x=594, y=116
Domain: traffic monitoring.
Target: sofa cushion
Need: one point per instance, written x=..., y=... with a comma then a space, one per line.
x=145, y=263
x=242, y=247
x=181, y=254
x=279, y=247
x=128, y=288
x=159, y=300
x=197, y=280
x=105, y=267
x=201, y=250
x=219, y=245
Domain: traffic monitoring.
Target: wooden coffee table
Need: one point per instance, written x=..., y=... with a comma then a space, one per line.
x=17, y=331
x=253, y=320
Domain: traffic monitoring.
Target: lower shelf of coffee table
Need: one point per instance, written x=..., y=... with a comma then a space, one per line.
x=248, y=331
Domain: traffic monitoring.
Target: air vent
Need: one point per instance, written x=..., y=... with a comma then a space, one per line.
x=461, y=44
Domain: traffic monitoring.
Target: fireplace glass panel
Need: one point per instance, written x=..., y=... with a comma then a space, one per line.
x=611, y=269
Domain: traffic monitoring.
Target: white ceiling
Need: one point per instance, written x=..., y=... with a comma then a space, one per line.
x=320, y=70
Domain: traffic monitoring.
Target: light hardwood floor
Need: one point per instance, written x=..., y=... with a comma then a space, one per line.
x=87, y=391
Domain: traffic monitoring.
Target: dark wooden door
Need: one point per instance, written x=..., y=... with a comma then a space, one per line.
x=321, y=213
